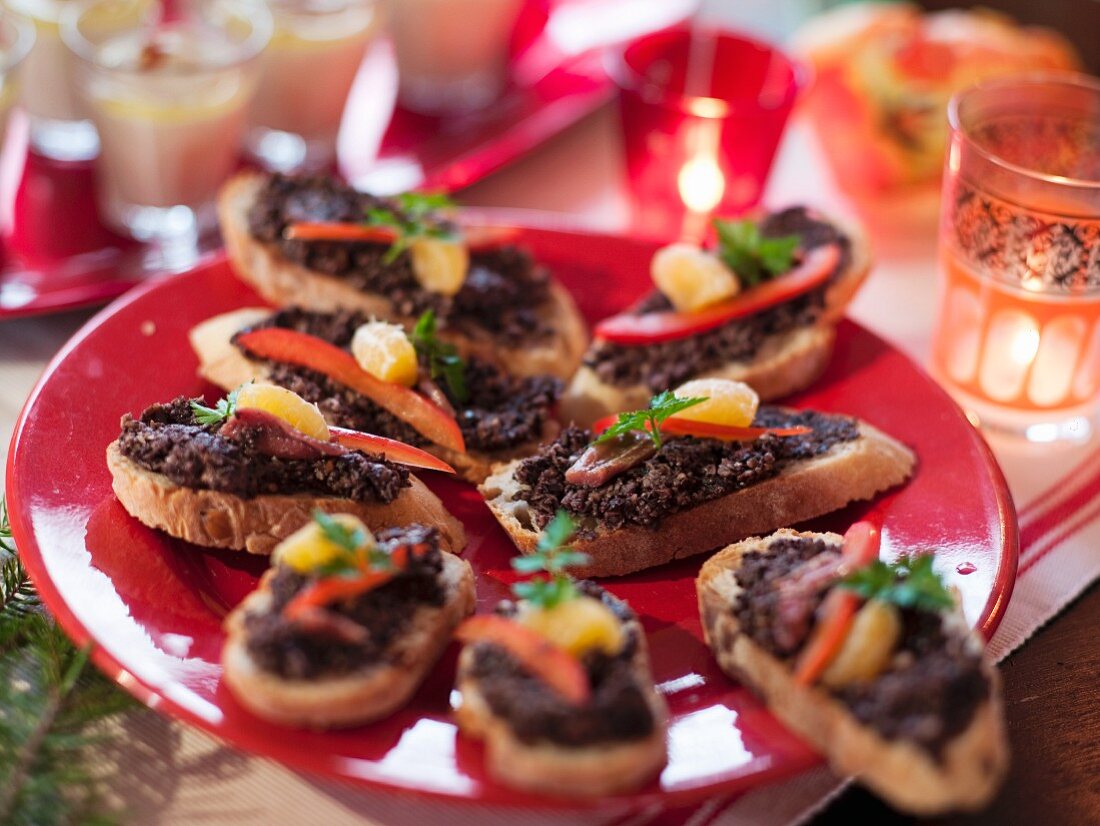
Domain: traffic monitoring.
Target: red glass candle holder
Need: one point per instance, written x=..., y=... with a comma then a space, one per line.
x=702, y=114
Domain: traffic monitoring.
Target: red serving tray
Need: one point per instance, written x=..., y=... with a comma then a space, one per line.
x=151, y=606
x=60, y=257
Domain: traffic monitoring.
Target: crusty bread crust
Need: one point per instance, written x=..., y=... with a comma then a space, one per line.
x=549, y=768
x=222, y=520
x=973, y=764
x=224, y=365
x=850, y=471
x=283, y=282
x=363, y=696
x=784, y=364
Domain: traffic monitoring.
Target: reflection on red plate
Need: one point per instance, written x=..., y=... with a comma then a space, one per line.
x=152, y=605
x=60, y=257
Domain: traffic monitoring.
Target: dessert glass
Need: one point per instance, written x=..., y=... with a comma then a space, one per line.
x=452, y=55
x=1017, y=339
x=59, y=126
x=16, y=41
x=169, y=98
x=308, y=71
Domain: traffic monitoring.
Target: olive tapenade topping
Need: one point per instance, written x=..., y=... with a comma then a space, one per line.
x=670, y=363
x=686, y=472
x=618, y=709
x=500, y=413
x=935, y=682
x=169, y=439
x=284, y=647
x=501, y=295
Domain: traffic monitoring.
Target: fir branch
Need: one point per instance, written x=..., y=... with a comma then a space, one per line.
x=51, y=702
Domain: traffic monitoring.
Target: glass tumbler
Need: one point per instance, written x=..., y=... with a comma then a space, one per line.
x=169, y=97
x=702, y=114
x=1017, y=337
x=59, y=126
x=452, y=55
x=308, y=71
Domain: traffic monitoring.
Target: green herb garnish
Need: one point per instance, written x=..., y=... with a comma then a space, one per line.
x=910, y=582
x=661, y=407
x=218, y=413
x=552, y=556
x=752, y=256
x=358, y=552
x=416, y=220
x=443, y=359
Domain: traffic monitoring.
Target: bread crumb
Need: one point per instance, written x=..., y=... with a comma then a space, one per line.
x=148, y=328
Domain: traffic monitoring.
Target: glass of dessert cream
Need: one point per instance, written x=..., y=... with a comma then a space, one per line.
x=308, y=70
x=452, y=55
x=59, y=126
x=169, y=97
x=16, y=41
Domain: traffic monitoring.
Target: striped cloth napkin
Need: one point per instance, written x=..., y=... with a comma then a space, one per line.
x=1059, y=532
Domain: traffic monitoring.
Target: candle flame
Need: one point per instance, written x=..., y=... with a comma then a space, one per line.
x=701, y=184
x=1025, y=345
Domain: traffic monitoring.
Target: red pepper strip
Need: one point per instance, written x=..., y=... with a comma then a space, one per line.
x=551, y=664
x=390, y=449
x=477, y=239
x=336, y=231
x=337, y=588
x=292, y=347
x=707, y=430
x=861, y=545
x=652, y=328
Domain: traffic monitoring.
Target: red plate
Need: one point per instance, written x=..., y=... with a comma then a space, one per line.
x=152, y=606
x=557, y=79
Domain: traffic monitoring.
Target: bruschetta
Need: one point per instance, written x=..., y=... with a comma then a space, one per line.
x=317, y=243
x=250, y=471
x=671, y=481
x=871, y=662
x=345, y=624
x=501, y=417
x=558, y=684
x=761, y=307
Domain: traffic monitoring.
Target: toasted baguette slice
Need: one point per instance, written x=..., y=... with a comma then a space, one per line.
x=222, y=520
x=973, y=764
x=550, y=768
x=374, y=692
x=283, y=282
x=849, y=472
x=224, y=365
x=785, y=363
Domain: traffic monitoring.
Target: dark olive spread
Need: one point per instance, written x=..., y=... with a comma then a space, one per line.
x=168, y=439
x=932, y=688
x=684, y=473
x=501, y=295
x=285, y=648
x=667, y=364
x=617, y=711
x=501, y=413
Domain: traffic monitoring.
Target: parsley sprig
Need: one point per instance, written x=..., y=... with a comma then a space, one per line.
x=443, y=359
x=357, y=551
x=552, y=556
x=754, y=257
x=910, y=582
x=415, y=218
x=661, y=407
x=218, y=413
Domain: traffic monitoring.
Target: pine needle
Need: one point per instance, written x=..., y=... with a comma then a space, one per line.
x=51, y=705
